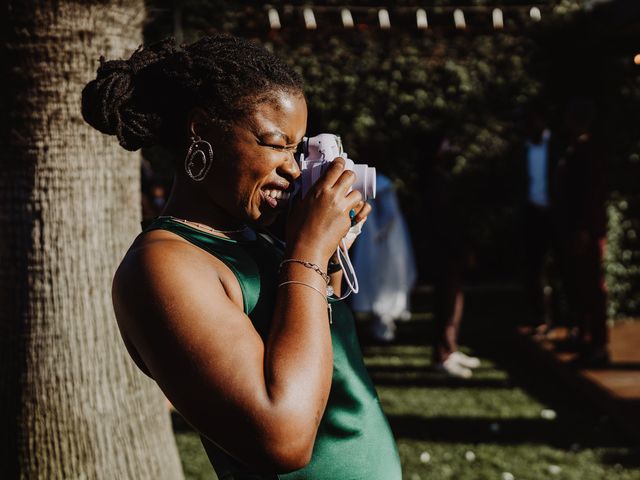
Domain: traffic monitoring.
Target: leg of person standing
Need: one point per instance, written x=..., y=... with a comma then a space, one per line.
x=537, y=233
x=448, y=310
x=593, y=318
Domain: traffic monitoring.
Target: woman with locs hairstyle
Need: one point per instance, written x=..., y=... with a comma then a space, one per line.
x=236, y=331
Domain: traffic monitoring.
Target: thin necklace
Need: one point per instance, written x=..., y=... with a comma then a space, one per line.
x=206, y=228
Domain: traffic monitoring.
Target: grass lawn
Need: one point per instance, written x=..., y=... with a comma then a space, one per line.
x=490, y=427
x=510, y=421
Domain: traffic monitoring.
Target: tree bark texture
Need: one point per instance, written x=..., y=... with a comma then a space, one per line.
x=72, y=403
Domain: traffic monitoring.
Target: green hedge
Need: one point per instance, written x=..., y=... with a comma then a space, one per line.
x=391, y=94
x=623, y=256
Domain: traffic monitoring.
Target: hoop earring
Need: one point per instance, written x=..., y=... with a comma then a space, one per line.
x=199, y=159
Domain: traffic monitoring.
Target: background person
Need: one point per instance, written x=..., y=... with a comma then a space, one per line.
x=446, y=256
x=384, y=262
x=539, y=232
x=582, y=189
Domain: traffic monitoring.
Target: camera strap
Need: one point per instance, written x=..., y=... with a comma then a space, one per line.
x=350, y=276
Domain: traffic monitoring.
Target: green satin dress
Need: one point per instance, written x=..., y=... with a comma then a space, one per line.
x=354, y=441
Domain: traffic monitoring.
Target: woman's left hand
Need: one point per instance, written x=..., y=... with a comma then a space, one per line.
x=363, y=209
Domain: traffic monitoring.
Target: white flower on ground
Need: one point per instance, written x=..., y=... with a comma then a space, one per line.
x=425, y=457
x=469, y=456
x=507, y=476
x=548, y=414
x=554, y=469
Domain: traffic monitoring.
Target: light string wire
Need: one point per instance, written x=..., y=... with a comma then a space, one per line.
x=457, y=13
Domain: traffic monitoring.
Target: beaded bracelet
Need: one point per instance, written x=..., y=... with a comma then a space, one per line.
x=310, y=265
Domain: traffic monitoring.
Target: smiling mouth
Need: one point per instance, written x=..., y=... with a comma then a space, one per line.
x=275, y=198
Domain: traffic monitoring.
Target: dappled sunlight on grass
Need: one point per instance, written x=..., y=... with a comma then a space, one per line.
x=496, y=425
x=504, y=423
x=524, y=462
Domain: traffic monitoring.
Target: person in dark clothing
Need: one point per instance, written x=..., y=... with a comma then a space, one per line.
x=446, y=257
x=539, y=232
x=581, y=198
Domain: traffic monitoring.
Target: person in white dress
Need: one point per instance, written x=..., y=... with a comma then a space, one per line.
x=384, y=262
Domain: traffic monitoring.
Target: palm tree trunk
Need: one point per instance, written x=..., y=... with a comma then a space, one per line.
x=72, y=404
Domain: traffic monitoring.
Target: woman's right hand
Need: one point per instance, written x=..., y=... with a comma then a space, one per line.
x=319, y=221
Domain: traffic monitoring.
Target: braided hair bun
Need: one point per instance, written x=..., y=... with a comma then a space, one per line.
x=113, y=104
x=145, y=100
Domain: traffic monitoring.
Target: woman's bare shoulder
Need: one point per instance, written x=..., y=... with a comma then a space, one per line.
x=157, y=257
x=160, y=265
x=162, y=243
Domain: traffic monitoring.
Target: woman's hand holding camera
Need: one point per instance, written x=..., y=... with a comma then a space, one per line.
x=321, y=219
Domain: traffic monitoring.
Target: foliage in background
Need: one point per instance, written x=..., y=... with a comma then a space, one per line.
x=623, y=254
x=592, y=55
x=393, y=95
x=392, y=98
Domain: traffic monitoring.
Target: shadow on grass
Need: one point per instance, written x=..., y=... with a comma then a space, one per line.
x=511, y=431
x=487, y=325
x=419, y=378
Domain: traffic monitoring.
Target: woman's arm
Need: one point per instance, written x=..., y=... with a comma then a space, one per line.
x=182, y=310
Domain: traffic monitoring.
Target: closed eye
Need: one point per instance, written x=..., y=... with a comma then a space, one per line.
x=281, y=148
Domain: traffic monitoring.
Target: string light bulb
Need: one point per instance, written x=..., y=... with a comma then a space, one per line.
x=458, y=19
x=347, y=18
x=383, y=18
x=309, y=19
x=498, y=19
x=274, y=19
x=535, y=14
x=421, y=19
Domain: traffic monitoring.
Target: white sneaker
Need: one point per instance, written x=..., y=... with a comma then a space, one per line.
x=453, y=369
x=382, y=331
x=464, y=360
